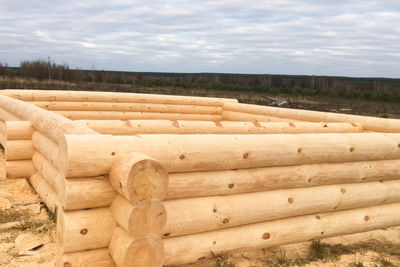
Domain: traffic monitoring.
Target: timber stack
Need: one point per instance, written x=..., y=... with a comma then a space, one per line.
x=155, y=180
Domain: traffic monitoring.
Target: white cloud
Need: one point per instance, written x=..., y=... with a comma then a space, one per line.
x=261, y=36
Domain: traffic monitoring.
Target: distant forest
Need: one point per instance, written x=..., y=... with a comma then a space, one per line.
x=378, y=89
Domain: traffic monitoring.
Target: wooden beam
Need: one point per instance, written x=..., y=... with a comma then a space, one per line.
x=94, y=257
x=19, y=169
x=45, y=192
x=91, y=155
x=242, y=116
x=19, y=149
x=19, y=130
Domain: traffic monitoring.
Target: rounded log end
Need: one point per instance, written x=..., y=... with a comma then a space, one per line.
x=149, y=216
x=139, y=177
x=147, y=251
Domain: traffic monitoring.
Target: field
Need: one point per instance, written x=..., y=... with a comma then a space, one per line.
x=24, y=217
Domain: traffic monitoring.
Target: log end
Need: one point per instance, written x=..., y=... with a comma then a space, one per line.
x=149, y=216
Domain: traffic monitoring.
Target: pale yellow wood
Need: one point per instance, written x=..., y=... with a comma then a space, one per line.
x=84, y=229
x=19, y=130
x=47, y=147
x=131, y=127
x=82, y=96
x=147, y=216
x=90, y=155
x=369, y=123
x=49, y=173
x=121, y=115
x=7, y=116
x=48, y=123
x=19, y=169
x=45, y=192
x=135, y=107
x=137, y=177
x=191, y=248
x=241, y=116
x=19, y=149
x=88, y=258
x=195, y=215
x=214, y=183
x=146, y=251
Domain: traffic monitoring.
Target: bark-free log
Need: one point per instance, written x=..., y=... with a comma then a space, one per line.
x=19, y=130
x=19, y=169
x=82, y=96
x=7, y=116
x=195, y=215
x=120, y=115
x=146, y=251
x=49, y=173
x=131, y=127
x=214, y=183
x=191, y=248
x=240, y=116
x=88, y=258
x=369, y=123
x=46, y=147
x=84, y=229
x=137, y=177
x=90, y=155
x=136, y=107
x=45, y=192
x=49, y=123
x=147, y=216
x=19, y=149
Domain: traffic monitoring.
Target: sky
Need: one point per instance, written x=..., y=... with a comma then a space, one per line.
x=307, y=37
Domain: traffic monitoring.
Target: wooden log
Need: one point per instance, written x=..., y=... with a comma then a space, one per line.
x=7, y=116
x=191, y=248
x=90, y=155
x=19, y=149
x=369, y=123
x=195, y=215
x=135, y=107
x=77, y=193
x=88, y=258
x=3, y=134
x=84, y=229
x=19, y=130
x=146, y=251
x=147, y=216
x=131, y=127
x=47, y=147
x=137, y=177
x=45, y=192
x=241, y=116
x=214, y=183
x=19, y=169
x=82, y=96
x=121, y=115
x=48, y=123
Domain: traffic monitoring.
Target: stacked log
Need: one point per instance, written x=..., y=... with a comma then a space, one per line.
x=197, y=176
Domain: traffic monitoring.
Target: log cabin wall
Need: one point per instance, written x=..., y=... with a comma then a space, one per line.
x=151, y=180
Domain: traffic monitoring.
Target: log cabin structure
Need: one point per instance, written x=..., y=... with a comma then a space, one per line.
x=155, y=180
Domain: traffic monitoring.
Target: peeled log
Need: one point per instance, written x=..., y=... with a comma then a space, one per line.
x=148, y=216
x=195, y=215
x=91, y=155
x=240, y=116
x=214, y=183
x=19, y=169
x=136, y=107
x=88, y=258
x=47, y=147
x=131, y=127
x=19, y=130
x=137, y=177
x=369, y=123
x=82, y=96
x=49, y=173
x=191, y=248
x=122, y=115
x=146, y=251
x=84, y=229
x=48, y=123
x=7, y=116
x=19, y=149
x=45, y=192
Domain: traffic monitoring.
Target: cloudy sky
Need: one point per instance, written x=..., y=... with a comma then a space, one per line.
x=348, y=38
